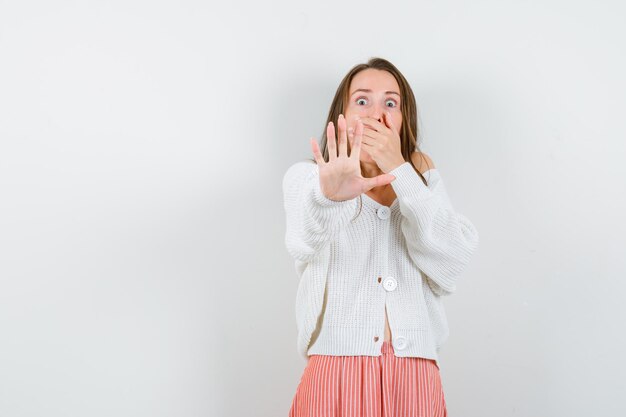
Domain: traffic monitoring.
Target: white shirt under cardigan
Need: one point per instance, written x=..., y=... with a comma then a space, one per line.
x=405, y=256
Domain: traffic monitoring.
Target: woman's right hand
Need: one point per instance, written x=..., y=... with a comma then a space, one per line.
x=340, y=177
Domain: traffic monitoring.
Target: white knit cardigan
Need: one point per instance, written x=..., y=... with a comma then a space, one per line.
x=405, y=256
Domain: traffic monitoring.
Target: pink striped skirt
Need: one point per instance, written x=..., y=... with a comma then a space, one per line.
x=369, y=386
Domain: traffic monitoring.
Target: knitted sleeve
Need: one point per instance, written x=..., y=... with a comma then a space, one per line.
x=312, y=219
x=439, y=240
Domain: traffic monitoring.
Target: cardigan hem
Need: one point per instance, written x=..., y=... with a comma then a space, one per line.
x=360, y=341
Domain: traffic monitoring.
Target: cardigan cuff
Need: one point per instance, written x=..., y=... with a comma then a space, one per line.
x=408, y=183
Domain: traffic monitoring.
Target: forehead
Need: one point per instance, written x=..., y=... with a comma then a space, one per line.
x=375, y=80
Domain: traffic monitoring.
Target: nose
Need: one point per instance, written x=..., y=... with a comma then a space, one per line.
x=376, y=112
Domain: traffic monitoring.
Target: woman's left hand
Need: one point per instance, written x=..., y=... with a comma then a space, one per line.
x=382, y=142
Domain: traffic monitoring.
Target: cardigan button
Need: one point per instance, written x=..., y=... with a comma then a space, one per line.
x=400, y=342
x=383, y=212
x=390, y=283
x=375, y=338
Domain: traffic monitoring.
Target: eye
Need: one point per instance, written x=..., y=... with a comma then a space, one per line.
x=360, y=99
x=393, y=102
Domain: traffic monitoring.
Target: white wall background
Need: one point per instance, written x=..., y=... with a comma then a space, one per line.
x=142, y=146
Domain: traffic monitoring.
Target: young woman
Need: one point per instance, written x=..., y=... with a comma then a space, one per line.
x=377, y=244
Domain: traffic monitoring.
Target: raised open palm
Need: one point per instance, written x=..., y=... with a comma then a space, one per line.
x=340, y=177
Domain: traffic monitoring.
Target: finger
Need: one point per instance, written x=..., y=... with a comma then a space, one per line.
x=352, y=129
x=319, y=158
x=373, y=124
x=382, y=179
x=356, y=143
x=330, y=141
x=351, y=138
x=343, y=140
x=372, y=137
x=368, y=144
x=374, y=134
x=378, y=126
x=390, y=124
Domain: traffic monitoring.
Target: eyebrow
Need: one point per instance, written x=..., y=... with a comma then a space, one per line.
x=369, y=91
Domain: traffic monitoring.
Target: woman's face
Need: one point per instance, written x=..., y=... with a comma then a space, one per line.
x=372, y=92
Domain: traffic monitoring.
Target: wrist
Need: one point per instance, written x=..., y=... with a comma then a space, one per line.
x=395, y=165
